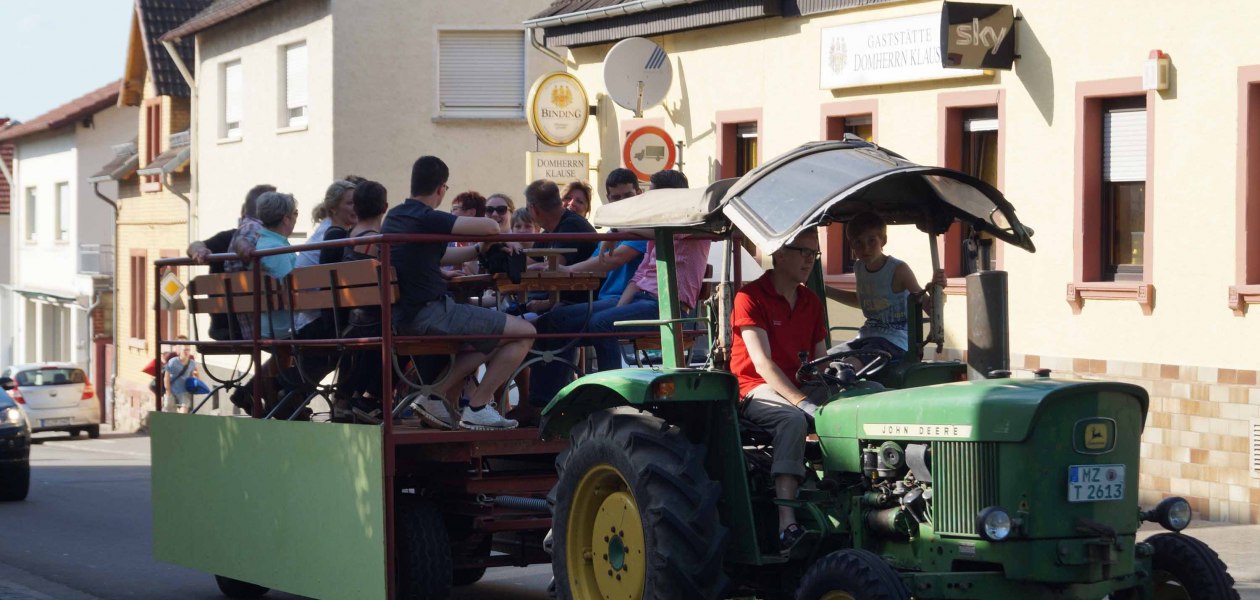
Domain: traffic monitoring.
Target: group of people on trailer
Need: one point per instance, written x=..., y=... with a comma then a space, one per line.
x=775, y=318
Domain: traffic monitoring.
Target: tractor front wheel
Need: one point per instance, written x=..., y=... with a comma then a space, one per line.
x=851, y=574
x=635, y=513
x=1184, y=568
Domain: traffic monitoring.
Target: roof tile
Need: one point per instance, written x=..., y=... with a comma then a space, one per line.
x=218, y=12
x=156, y=18
x=74, y=110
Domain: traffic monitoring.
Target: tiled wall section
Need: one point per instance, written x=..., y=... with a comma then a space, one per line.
x=1197, y=439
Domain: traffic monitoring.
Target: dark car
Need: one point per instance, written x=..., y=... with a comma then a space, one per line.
x=15, y=447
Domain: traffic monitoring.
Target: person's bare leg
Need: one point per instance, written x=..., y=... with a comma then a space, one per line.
x=785, y=487
x=503, y=361
x=465, y=364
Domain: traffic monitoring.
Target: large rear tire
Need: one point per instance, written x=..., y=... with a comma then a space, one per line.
x=15, y=483
x=235, y=588
x=423, y=563
x=635, y=513
x=851, y=574
x=1184, y=568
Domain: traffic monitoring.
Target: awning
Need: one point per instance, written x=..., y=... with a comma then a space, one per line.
x=121, y=166
x=49, y=297
x=174, y=158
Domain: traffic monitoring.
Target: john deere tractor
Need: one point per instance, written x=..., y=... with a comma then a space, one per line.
x=935, y=487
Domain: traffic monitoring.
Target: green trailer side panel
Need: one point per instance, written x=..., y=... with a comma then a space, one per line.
x=292, y=506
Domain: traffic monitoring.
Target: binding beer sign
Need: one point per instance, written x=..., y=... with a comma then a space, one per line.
x=977, y=36
x=560, y=167
x=558, y=109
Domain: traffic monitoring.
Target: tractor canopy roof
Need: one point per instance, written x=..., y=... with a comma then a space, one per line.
x=822, y=183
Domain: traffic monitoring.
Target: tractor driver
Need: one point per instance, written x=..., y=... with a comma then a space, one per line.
x=775, y=319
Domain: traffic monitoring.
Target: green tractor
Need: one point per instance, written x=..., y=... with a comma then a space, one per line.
x=936, y=487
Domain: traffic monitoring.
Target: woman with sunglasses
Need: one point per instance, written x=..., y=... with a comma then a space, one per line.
x=499, y=207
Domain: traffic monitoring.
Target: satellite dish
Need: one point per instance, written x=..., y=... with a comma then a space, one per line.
x=637, y=74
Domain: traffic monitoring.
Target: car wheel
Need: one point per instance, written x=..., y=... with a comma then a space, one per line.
x=235, y=588
x=851, y=574
x=636, y=514
x=15, y=483
x=94, y=431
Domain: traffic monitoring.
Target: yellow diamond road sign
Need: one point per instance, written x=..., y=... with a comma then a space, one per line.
x=171, y=287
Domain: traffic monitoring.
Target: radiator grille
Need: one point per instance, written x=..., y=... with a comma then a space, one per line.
x=964, y=480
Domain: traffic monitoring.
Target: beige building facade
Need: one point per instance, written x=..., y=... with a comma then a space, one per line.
x=1148, y=253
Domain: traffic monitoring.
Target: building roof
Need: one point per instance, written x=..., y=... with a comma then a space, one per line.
x=68, y=113
x=567, y=7
x=175, y=157
x=156, y=18
x=218, y=12
x=124, y=163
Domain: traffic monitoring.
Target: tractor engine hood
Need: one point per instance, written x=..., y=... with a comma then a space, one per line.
x=995, y=410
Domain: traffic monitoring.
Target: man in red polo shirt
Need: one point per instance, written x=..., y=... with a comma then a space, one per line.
x=775, y=319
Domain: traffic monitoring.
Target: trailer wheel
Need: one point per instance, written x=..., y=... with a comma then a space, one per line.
x=235, y=588
x=423, y=562
x=1184, y=568
x=15, y=482
x=462, y=577
x=635, y=513
x=851, y=574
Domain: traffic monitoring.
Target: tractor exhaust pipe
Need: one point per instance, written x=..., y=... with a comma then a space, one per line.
x=988, y=328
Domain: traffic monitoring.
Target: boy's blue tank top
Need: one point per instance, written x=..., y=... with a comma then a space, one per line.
x=885, y=311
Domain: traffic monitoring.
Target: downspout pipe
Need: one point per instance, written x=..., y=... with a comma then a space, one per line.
x=193, y=134
x=113, y=382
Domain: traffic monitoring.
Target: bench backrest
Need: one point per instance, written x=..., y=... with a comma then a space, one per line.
x=339, y=285
x=231, y=293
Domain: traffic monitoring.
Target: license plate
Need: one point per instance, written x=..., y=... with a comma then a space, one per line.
x=1095, y=483
x=55, y=422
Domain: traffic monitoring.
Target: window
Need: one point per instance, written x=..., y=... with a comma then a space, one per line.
x=32, y=223
x=1246, y=288
x=152, y=143
x=293, y=113
x=980, y=160
x=1113, y=183
x=1123, y=215
x=139, y=293
x=481, y=74
x=858, y=118
x=64, y=213
x=232, y=101
x=738, y=137
x=746, y=156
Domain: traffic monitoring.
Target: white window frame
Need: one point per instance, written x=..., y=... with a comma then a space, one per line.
x=61, y=229
x=440, y=113
x=231, y=129
x=294, y=101
x=30, y=203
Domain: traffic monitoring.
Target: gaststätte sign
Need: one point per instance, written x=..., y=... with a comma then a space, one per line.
x=977, y=35
x=560, y=167
x=558, y=109
x=885, y=51
x=648, y=150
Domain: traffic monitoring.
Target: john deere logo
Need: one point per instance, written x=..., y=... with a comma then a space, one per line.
x=1094, y=436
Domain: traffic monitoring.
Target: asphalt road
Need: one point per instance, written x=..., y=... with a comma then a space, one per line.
x=85, y=532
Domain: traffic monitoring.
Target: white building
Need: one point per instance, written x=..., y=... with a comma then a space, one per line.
x=60, y=254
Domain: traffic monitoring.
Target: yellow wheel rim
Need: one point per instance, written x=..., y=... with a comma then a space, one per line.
x=1168, y=588
x=837, y=596
x=605, y=552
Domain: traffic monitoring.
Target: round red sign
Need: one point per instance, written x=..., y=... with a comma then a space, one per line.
x=647, y=151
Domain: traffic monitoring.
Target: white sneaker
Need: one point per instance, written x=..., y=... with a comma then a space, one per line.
x=486, y=418
x=432, y=410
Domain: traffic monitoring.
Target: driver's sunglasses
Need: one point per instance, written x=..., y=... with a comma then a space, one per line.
x=806, y=253
x=502, y=210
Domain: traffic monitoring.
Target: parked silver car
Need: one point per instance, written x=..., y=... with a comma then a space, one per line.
x=15, y=447
x=56, y=397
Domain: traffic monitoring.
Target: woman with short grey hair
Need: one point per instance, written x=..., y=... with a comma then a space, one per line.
x=279, y=214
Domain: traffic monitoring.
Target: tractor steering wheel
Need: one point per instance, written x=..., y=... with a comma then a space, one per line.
x=872, y=362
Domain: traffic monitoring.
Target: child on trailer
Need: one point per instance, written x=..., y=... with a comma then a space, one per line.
x=883, y=285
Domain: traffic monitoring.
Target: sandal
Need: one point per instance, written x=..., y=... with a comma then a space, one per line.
x=790, y=537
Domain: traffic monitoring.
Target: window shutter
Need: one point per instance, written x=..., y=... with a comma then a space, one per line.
x=232, y=93
x=295, y=76
x=1124, y=145
x=481, y=73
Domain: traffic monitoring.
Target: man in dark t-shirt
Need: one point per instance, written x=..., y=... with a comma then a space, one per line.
x=542, y=198
x=424, y=308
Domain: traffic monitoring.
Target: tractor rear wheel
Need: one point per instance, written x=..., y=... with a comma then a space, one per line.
x=1184, y=568
x=635, y=513
x=851, y=574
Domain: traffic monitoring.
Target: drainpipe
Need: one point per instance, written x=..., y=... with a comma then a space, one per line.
x=113, y=378
x=194, y=129
x=552, y=54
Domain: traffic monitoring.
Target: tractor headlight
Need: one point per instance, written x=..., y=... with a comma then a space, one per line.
x=1172, y=513
x=994, y=524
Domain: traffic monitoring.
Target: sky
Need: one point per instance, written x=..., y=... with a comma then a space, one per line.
x=53, y=51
